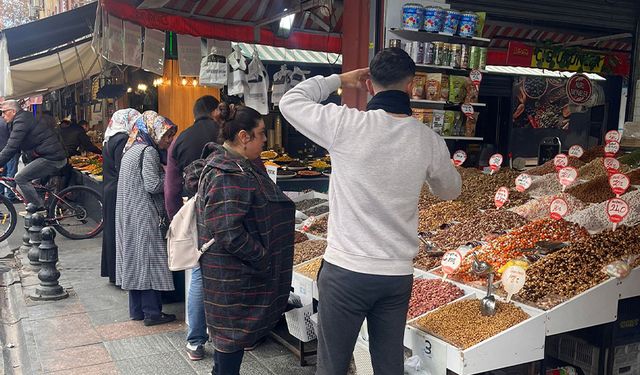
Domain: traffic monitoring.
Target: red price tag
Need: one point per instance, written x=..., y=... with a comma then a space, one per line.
x=612, y=165
x=612, y=136
x=495, y=162
x=611, y=149
x=523, y=182
x=576, y=151
x=451, y=261
x=619, y=183
x=617, y=210
x=567, y=176
x=560, y=161
x=476, y=77
x=459, y=157
x=558, y=208
x=501, y=197
x=467, y=109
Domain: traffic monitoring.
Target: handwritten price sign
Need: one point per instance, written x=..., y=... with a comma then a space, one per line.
x=501, y=197
x=459, y=157
x=617, y=210
x=567, y=176
x=467, y=109
x=612, y=165
x=612, y=136
x=576, y=151
x=513, y=279
x=495, y=162
x=451, y=261
x=523, y=182
x=558, y=208
x=611, y=149
x=560, y=161
x=476, y=77
x=619, y=183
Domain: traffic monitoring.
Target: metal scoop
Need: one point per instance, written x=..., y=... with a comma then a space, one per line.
x=488, y=303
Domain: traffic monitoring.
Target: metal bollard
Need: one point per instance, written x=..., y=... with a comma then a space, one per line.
x=37, y=222
x=49, y=288
x=26, y=246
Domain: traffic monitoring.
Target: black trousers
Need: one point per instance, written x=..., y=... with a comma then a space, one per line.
x=144, y=304
x=227, y=363
x=346, y=299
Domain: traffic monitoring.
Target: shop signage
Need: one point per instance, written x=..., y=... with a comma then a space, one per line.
x=451, y=261
x=576, y=151
x=513, y=279
x=567, y=176
x=523, y=182
x=132, y=44
x=612, y=165
x=617, y=210
x=579, y=89
x=501, y=197
x=459, y=157
x=612, y=136
x=611, y=149
x=558, y=208
x=153, y=51
x=115, y=40
x=619, y=183
x=560, y=161
x=495, y=162
x=189, y=55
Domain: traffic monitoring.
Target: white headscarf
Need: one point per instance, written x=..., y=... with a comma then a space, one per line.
x=122, y=121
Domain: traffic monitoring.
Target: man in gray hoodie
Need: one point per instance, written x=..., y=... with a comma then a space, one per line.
x=381, y=158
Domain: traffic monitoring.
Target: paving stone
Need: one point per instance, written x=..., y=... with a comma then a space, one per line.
x=101, y=299
x=101, y=369
x=111, y=316
x=64, y=332
x=80, y=356
x=135, y=347
x=51, y=309
x=118, y=331
x=289, y=365
x=159, y=364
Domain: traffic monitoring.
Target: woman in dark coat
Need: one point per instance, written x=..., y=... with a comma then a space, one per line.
x=247, y=268
x=115, y=137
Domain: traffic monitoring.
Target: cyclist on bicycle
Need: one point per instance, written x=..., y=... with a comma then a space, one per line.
x=39, y=142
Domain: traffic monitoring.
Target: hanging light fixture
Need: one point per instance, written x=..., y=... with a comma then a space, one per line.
x=194, y=82
x=184, y=82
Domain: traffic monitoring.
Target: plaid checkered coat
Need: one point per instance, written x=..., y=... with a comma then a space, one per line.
x=247, y=271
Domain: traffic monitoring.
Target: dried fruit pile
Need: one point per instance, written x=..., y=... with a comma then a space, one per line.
x=594, y=218
x=308, y=203
x=537, y=209
x=429, y=294
x=307, y=250
x=319, y=227
x=549, y=167
x=594, y=191
x=310, y=269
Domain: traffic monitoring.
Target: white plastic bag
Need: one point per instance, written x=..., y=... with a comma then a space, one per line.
x=213, y=69
x=256, y=96
x=413, y=366
x=237, y=77
x=281, y=83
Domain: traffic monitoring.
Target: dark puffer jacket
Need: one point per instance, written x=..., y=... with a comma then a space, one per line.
x=38, y=140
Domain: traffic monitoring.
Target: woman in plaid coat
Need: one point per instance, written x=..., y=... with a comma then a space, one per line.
x=247, y=270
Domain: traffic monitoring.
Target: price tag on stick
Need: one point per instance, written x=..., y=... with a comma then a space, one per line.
x=558, y=208
x=513, y=279
x=501, y=197
x=476, y=78
x=451, y=261
x=495, y=162
x=611, y=149
x=468, y=110
x=612, y=136
x=617, y=210
x=523, y=182
x=459, y=157
x=612, y=165
x=567, y=176
x=560, y=161
x=619, y=183
x=576, y=151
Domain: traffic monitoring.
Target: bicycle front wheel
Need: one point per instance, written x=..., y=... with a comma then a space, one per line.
x=8, y=218
x=76, y=212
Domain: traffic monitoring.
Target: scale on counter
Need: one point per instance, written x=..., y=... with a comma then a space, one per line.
x=548, y=149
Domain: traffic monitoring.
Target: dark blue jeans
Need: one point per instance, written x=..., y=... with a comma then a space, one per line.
x=227, y=363
x=144, y=304
x=10, y=170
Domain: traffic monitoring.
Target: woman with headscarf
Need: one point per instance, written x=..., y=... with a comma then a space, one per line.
x=141, y=248
x=115, y=137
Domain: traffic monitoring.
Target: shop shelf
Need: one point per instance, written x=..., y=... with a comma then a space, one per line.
x=424, y=36
x=460, y=138
x=442, y=103
x=455, y=71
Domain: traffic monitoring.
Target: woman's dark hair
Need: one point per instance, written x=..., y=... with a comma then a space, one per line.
x=242, y=118
x=391, y=66
x=204, y=106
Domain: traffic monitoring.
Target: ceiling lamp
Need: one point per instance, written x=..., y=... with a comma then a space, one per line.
x=286, y=23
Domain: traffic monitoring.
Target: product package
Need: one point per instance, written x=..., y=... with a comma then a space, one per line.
x=418, y=86
x=470, y=125
x=438, y=120
x=457, y=91
x=432, y=87
x=449, y=122
x=444, y=88
x=471, y=91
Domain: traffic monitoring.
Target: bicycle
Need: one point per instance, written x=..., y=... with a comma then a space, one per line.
x=76, y=206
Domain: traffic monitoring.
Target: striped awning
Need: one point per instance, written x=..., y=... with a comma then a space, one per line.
x=300, y=56
x=522, y=71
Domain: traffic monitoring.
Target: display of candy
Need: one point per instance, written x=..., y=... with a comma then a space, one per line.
x=434, y=19
x=451, y=21
x=468, y=22
x=412, y=16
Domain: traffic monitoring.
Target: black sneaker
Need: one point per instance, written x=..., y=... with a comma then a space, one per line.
x=195, y=354
x=160, y=319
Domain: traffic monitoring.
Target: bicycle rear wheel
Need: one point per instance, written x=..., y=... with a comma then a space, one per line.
x=76, y=212
x=8, y=218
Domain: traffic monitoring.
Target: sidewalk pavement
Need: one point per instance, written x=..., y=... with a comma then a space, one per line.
x=90, y=332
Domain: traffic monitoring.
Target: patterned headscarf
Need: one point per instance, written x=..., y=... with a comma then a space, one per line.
x=121, y=122
x=148, y=129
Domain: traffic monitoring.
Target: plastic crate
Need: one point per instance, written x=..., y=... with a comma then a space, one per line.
x=300, y=324
x=579, y=353
x=627, y=360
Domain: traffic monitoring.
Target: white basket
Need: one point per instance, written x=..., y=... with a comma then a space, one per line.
x=300, y=324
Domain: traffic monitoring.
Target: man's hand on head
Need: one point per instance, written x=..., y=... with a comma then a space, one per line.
x=355, y=79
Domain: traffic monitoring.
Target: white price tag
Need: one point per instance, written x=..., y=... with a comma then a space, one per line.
x=272, y=172
x=495, y=162
x=612, y=165
x=501, y=197
x=513, y=279
x=558, y=208
x=476, y=77
x=467, y=109
x=451, y=261
x=567, y=176
x=459, y=157
x=576, y=151
x=523, y=182
x=611, y=149
x=619, y=183
x=560, y=161
x=612, y=136
x=617, y=210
